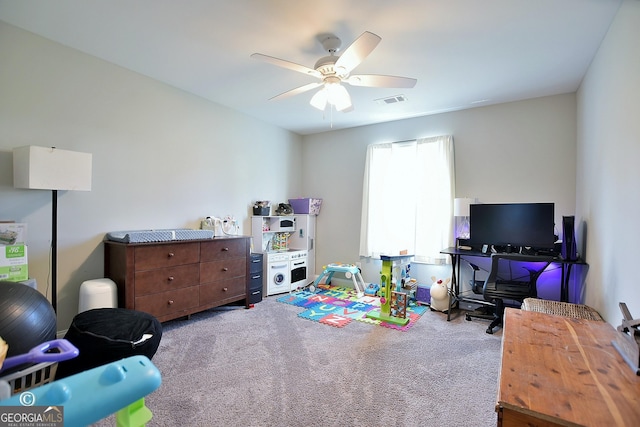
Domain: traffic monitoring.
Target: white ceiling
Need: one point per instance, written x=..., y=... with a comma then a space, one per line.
x=464, y=53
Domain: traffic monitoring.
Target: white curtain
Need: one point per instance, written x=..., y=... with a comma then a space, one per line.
x=407, y=199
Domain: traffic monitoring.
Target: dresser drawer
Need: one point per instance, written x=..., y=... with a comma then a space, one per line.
x=255, y=296
x=255, y=280
x=148, y=257
x=221, y=249
x=222, y=269
x=166, y=279
x=256, y=263
x=216, y=292
x=165, y=303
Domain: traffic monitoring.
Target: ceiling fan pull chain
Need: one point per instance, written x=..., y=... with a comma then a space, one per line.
x=331, y=106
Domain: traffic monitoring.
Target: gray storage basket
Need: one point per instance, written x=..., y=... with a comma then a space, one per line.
x=29, y=378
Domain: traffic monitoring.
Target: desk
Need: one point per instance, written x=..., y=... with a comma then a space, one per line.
x=559, y=371
x=457, y=254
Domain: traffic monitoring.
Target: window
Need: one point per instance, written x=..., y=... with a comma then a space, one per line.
x=407, y=199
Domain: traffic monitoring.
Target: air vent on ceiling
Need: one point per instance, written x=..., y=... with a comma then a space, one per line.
x=391, y=100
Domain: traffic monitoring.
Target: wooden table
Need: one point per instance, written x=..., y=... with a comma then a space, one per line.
x=559, y=371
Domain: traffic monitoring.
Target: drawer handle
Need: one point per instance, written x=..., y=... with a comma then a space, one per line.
x=225, y=249
x=225, y=289
x=170, y=301
x=170, y=278
x=171, y=254
x=225, y=269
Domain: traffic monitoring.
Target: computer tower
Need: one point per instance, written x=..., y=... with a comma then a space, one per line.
x=569, y=250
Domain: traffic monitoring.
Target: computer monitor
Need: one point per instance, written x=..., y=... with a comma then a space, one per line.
x=516, y=224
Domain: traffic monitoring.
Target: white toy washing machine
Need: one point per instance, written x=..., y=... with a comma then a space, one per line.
x=278, y=274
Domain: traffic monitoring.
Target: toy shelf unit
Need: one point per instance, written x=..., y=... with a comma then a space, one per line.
x=272, y=233
x=393, y=304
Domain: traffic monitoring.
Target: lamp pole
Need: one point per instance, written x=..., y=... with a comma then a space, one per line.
x=54, y=249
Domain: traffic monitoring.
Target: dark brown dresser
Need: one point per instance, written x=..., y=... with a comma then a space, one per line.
x=179, y=278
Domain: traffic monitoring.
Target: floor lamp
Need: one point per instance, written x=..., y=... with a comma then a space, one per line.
x=48, y=168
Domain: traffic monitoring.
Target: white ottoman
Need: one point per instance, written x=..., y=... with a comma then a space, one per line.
x=97, y=293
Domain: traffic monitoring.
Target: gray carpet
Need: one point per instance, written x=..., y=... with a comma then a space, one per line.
x=268, y=367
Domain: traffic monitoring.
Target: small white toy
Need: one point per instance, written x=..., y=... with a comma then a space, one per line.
x=440, y=294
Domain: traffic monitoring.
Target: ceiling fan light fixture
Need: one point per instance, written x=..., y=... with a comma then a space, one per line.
x=319, y=100
x=338, y=96
x=333, y=70
x=333, y=93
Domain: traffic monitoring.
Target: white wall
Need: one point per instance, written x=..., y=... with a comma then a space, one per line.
x=608, y=199
x=517, y=152
x=162, y=158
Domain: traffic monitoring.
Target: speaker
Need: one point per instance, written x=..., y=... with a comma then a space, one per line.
x=568, y=249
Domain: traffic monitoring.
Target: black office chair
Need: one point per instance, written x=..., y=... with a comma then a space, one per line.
x=513, y=277
x=486, y=309
x=476, y=285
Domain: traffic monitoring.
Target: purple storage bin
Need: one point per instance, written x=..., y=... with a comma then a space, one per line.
x=423, y=294
x=306, y=205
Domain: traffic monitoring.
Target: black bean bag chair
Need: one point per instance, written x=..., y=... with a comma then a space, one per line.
x=105, y=335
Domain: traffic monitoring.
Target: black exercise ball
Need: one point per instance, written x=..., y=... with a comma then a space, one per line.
x=26, y=318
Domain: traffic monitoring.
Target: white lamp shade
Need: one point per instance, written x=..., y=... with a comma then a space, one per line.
x=461, y=206
x=319, y=100
x=47, y=168
x=338, y=96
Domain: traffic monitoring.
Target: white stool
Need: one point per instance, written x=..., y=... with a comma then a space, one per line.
x=97, y=293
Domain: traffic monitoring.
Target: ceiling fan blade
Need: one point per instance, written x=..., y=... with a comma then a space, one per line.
x=297, y=90
x=286, y=64
x=356, y=52
x=374, y=80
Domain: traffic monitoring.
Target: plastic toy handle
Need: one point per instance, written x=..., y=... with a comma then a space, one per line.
x=41, y=353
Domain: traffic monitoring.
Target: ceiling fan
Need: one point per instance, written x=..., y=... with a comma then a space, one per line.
x=332, y=70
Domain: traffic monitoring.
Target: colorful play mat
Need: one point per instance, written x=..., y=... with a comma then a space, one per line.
x=339, y=306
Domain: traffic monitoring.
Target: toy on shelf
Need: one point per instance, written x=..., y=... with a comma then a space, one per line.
x=399, y=302
x=351, y=271
x=372, y=289
x=387, y=280
x=410, y=287
x=280, y=241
